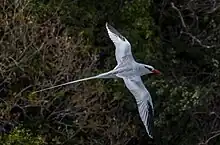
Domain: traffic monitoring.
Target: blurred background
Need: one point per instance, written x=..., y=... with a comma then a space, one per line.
x=49, y=42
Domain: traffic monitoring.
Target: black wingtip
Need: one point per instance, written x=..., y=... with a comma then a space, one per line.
x=150, y=122
x=113, y=30
x=110, y=28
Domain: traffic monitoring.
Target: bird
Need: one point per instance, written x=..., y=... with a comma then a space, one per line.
x=130, y=71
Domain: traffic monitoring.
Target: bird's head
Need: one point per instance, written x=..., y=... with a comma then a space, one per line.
x=151, y=70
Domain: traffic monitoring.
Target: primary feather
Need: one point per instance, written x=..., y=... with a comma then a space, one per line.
x=123, y=47
x=143, y=100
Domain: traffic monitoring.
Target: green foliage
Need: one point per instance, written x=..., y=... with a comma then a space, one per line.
x=48, y=42
x=21, y=136
x=141, y=28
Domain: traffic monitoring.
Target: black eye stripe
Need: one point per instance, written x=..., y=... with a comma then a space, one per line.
x=149, y=68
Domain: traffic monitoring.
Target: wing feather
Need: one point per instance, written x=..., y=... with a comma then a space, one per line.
x=143, y=100
x=123, y=47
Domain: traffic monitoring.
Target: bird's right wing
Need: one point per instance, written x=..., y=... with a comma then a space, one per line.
x=123, y=47
x=143, y=100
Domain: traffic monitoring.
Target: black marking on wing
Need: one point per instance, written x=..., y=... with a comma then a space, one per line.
x=150, y=120
x=113, y=30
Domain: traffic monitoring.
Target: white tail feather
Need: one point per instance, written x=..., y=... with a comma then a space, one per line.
x=72, y=82
x=103, y=75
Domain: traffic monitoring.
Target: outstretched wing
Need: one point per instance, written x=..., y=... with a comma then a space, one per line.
x=143, y=100
x=123, y=47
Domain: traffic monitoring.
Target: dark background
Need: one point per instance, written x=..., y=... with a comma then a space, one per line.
x=48, y=42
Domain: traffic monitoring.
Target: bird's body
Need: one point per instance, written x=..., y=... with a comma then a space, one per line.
x=127, y=69
x=130, y=71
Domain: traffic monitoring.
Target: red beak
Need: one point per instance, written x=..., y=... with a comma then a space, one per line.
x=155, y=71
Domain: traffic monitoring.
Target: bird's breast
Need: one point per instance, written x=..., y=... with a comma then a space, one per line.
x=127, y=71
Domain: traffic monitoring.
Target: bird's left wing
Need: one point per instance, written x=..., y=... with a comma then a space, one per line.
x=143, y=100
x=123, y=47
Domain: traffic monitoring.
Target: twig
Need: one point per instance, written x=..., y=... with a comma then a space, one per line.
x=199, y=41
x=215, y=114
x=24, y=89
x=16, y=63
x=194, y=38
x=180, y=15
x=215, y=8
x=207, y=141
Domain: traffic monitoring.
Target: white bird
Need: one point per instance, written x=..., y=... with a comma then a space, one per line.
x=130, y=71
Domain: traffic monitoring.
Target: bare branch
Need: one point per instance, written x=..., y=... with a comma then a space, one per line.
x=180, y=15
x=212, y=137
x=194, y=38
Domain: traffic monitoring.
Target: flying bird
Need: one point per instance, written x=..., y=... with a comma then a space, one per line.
x=130, y=71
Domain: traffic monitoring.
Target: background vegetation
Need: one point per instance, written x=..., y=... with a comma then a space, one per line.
x=48, y=42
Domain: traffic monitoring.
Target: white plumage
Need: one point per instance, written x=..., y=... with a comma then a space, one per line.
x=130, y=71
